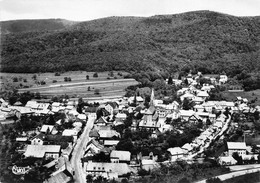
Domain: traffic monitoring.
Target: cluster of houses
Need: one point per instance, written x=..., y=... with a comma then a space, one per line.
x=54, y=142
x=48, y=141
x=193, y=79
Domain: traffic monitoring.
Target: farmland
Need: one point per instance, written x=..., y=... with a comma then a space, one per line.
x=107, y=84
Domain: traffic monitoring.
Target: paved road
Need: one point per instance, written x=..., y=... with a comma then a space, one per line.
x=235, y=174
x=243, y=167
x=79, y=176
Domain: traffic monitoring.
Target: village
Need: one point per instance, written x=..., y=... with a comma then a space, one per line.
x=128, y=137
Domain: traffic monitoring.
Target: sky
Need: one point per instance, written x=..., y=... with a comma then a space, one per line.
x=83, y=10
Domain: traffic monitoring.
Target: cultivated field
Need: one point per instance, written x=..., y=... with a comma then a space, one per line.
x=104, y=85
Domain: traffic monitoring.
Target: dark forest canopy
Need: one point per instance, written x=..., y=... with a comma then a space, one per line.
x=203, y=40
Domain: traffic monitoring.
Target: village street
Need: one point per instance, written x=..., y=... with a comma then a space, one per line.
x=78, y=152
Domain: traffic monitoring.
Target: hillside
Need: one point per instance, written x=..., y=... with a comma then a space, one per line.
x=19, y=26
x=207, y=41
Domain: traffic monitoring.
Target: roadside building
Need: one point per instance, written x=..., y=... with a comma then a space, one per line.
x=239, y=147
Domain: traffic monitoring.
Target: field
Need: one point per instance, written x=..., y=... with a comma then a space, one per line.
x=250, y=95
x=105, y=85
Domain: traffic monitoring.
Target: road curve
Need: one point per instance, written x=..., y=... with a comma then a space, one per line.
x=79, y=174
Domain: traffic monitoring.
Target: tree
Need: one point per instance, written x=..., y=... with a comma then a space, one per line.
x=125, y=145
x=213, y=180
x=208, y=122
x=238, y=158
x=184, y=180
x=65, y=79
x=37, y=95
x=42, y=82
x=187, y=104
x=25, y=97
x=89, y=88
x=170, y=82
x=12, y=100
x=89, y=178
x=34, y=77
x=96, y=92
x=15, y=79
x=80, y=105
x=186, y=81
x=95, y=75
x=87, y=77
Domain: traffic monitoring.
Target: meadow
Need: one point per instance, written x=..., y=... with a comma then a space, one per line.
x=106, y=84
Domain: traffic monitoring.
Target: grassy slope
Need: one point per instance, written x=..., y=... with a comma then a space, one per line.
x=206, y=39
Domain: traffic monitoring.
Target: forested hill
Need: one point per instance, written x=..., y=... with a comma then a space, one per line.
x=203, y=40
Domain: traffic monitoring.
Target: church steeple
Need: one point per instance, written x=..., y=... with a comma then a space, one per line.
x=152, y=98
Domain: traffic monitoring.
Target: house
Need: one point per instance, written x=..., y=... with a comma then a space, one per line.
x=121, y=116
x=110, y=143
x=139, y=99
x=63, y=173
x=198, y=100
x=55, y=139
x=223, y=79
x=227, y=160
x=111, y=106
x=176, y=153
x=70, y=132
x=239, y=147
x=187, y=147
x=212, y=117
x=108, y=135
x=161, y=112
x=150, y=119
x=94, y=146
x=107, y=170
x=21, y=139
x=92, y=111
x=94, y=134
x=38, y=139
x=149, y=164
x=195, y=118
x=101, y=121
x=48, y=129
x=41, y=151
x=203, y=94
x=120, y=156
x=186, y=114
x=188, y=96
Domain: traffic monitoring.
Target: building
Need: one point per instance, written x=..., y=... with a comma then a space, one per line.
x=48, y=129
x=176, y=153
x=223, y=79
x=91, y=111
x=138, y=99
x=107, y=170
x=239, y=147
x=38, y=139
x=120, y=156
x=41, y=151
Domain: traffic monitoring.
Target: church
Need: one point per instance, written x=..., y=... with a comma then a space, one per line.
x=150, y=118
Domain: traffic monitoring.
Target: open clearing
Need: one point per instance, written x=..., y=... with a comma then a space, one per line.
x=79, y=86
x=250, y=95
